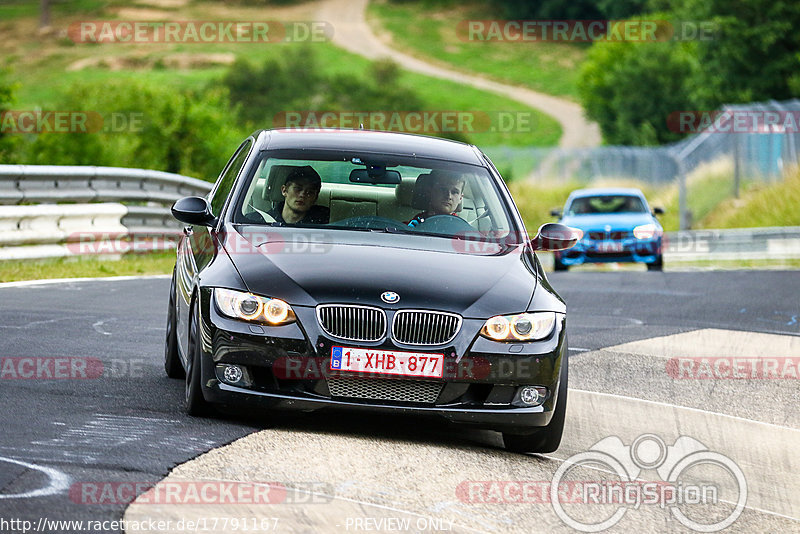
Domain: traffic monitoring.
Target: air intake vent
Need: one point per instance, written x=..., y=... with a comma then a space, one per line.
x=415, y=391
x=419, y=327
x=353, y=323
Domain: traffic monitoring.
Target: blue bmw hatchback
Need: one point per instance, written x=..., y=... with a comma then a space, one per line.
x=617, y=226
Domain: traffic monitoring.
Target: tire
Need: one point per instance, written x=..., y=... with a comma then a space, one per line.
x=657, y=265
x=172, y=362
x=546, y=439
x=558, y=266
x=196, y=405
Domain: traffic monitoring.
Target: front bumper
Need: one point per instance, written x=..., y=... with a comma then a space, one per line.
x=629, y=250
x=287, y=371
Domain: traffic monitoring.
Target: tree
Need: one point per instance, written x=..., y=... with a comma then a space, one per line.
x=754, y=54
x=631, y=88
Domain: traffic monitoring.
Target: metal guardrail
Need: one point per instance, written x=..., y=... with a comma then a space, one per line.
x=56, y=210
x=773, y=243
x=63, y=183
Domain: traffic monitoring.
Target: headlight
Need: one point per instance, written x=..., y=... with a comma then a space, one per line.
x=249, y=307
x=520, y=327
x=646, y=231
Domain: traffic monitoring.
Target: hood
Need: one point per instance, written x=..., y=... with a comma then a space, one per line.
x=357, y=267
x=617, y=221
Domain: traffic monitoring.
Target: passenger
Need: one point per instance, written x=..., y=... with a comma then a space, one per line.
x=300, y=192
x=445, y=193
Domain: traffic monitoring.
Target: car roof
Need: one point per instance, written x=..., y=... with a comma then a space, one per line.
x=596, y=191
x=367, y=141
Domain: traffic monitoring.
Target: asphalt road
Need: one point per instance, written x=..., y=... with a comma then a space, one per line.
x=124, y=423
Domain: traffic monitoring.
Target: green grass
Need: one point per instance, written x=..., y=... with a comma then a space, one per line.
x=14, y=9
x=760, y=205
x=87, y=267
x=37, y=90
x=430, y=30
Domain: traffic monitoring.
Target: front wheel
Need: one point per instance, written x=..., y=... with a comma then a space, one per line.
x=172, y=362
x=657, y=265
x=546, y=439
x=195, y=403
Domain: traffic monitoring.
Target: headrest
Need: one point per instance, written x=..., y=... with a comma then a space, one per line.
x=420, y=199
x=404, y=192
x=280, y=174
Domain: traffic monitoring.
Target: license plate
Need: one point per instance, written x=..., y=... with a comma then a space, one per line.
x=609, y=246
x=391, y=362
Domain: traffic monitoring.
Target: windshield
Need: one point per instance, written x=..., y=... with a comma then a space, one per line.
x=373, y=193
x=606, y=204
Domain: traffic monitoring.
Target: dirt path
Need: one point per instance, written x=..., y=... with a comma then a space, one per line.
x=352, y=33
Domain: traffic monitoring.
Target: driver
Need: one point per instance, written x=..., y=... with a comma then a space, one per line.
x=445, y=193
x=300, y=192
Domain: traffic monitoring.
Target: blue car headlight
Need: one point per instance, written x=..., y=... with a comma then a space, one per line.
x=646, y=231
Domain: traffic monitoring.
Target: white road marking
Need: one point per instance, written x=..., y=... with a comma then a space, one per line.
x=27, y=283
x=59, y=481
x=98, y=324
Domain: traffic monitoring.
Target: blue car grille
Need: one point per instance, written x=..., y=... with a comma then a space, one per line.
x=615, y=235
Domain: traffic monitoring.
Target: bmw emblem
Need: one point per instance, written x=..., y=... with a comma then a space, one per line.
x=390, y=297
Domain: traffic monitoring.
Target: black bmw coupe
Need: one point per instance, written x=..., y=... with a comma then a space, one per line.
x=369, y=271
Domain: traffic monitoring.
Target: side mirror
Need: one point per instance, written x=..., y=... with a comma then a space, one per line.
x=193, y=210
x=555, y=213
x=658, y=211
x=555, y=236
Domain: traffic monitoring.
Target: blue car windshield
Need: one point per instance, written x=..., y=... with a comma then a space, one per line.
x=606, y=204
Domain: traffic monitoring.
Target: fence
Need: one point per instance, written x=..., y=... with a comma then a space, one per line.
x=109, y=209
x=753, y=153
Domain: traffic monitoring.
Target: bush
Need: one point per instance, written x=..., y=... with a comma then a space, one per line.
x=187, y=133
x=295, y=83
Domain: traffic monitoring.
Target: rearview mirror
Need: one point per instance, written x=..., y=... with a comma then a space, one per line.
x=375, y=175
x=555, y=236
x=193, y=210
x=555, y=213
x=658, y=211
